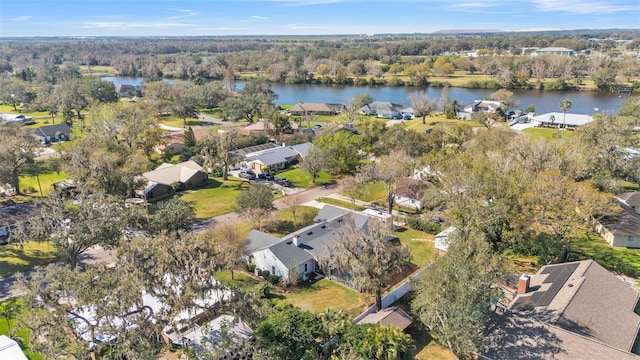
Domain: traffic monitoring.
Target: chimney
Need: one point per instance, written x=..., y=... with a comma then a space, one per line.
x=523, y=283
x=296, y=240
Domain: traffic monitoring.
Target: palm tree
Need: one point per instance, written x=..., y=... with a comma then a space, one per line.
x=564, y=106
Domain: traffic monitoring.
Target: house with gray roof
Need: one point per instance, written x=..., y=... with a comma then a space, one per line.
x=576, y=310
x=385, y=110
x=52, y=133
x=622, y=228
x=295, y=256
x=553, y=51
x=561, y=120
x=300, y=109
x=275, y=158
x=185, y=175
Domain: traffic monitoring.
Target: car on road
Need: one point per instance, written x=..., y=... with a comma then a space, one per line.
x=247, y=174
x=282, y=181
x=265, y=176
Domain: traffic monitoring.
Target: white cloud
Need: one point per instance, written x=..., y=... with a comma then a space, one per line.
x=119, y=25
x=581, y=7
x=258, y=17
x=20, y=18
x=184, y=13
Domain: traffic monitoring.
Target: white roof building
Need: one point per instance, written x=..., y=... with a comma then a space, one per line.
x=10, y=350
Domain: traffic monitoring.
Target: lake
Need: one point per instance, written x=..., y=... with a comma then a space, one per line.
x=583, y=102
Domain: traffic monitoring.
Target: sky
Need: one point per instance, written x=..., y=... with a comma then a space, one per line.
x=305, y=17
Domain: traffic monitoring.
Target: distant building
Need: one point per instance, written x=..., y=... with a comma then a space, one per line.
x=300, y=109
x=553, y=51
x=623, y=227
x=53, y=133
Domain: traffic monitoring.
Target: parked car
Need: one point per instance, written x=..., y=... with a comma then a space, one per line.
x=282, y=181
x=265, y=176
x=247, y=174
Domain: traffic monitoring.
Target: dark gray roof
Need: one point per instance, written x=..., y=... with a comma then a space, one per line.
x=289, y=254
x=258, y=240
x=631, y=198
x=586, y=299
x=302, y=149
x=52, y=130
x=12, y=213
x=626, y=222
x=519, y=337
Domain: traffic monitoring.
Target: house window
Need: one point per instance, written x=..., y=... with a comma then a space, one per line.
x=305, y=267
x=630, y=238
x=273, y=269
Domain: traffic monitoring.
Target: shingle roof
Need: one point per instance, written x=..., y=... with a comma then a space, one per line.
x=586, y=299
x=394, y=316
x=518, y=337
x=52, y=130
x=411, y=188
x=624, y=223
x=383, y=105
x=258, y=240
x=317, y=107
x=168, y=174
x=631, y=198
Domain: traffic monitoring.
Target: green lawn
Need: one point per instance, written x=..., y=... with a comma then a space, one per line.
x=17, y=258
x=219, y=197
x=437, y=120
x=29, y=180
x=373, y=192
x=549, y=134
x=302, y=179
x=23, y=334
x=618, y=259
x=180, y=123
x=344, y=204
x=240, y=279
x=326, y=294
x=420, y=245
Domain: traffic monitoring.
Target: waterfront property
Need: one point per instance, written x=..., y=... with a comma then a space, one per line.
x=560, y=120
x=300, y=109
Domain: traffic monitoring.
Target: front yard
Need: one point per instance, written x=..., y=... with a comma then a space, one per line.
x=22, y=257
x=302, y=179
x=618, y=259
x=218, y=197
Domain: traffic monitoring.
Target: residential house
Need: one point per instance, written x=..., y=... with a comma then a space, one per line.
x=300, y=109
x=185, y=175
x=128, y=90
x=13, y=214
x=262, y=127
x=623, y=227
x=53, y=133
x=489, y=106
x=383, y=109
x=173, y=141
x=391, y=316
x=10, y=349
x=295, y=256
x=553, y=51
x=576, y=310
x=409, y=193
x=561, y=120
x=273, y=157
x=442, y=240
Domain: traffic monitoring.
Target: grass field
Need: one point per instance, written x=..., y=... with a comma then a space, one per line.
x=373, y=192
x=591, y=246
x=23, y=334
x=549, y=134
x=240, y=279
x=344, y=204
x=29, y=180
x=179, y=122
x=98, y=70
x=437, y=120
x=302, y=179
x=326, y=294
x=17, y=258
x=420, y=246
x=219, y=197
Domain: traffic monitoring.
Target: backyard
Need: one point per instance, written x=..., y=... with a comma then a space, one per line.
x=22, y=257
x=625, y=261
x=325, y=294
x=29, y=180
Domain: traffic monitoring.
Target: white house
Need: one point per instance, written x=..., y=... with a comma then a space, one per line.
x=384, y=109
x=442, y=240
x=557, y=119
x=409, y=193
x=294, y=256
x=489, y=106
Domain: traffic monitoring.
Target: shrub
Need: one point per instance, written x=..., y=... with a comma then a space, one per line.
x=424, y=225
x=251, y=267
